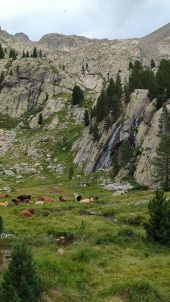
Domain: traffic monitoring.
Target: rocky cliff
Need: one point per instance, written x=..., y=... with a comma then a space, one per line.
x=34, y=86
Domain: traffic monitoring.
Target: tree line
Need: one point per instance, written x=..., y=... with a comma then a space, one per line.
x=12, y=53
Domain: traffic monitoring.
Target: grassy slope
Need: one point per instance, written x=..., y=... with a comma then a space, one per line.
x=107, y=257
x=109, y=260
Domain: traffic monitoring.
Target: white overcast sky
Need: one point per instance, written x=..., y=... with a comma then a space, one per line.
x=92, y=18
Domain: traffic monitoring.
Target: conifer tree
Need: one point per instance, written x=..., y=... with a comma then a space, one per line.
x=96, y=134
x=77, y=95
x=100, y=108
x=130, y=65
x=40, y=119
x=86, y=118
x=40, y=53
x=162, y=162
x=153, y=87
x=23, y=54
x=158, y=226
x=27, y=54
x=2, y=53
x=152, y=64
x=34, y=54
x=21, y=282
x=118, y=84
x=12, y=54
x=126, y=92
x=2, y=76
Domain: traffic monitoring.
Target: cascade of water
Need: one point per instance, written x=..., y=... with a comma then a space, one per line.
x=105, y=161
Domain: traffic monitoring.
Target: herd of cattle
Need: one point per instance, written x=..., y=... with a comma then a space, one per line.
x=27, y=199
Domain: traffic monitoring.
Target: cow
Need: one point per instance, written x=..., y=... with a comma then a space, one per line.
x=4, y=196
x=4, y=204
x=88, y=200
x=77, y=197
x=27, y=212
x=46, y=199
x=24, y=198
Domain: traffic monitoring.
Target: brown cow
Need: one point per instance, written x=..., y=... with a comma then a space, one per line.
x=46, y=199
x=27, y=213
x=4, y=195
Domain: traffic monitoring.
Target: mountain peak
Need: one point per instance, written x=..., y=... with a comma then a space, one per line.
x=22, y=36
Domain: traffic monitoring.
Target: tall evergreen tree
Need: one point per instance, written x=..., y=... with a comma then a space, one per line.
x=2, y=53
x=162, y=162
x=153, y=86
x=86, y=118
x=23, y=54
x=130, y=65
x=27, y=54
x=12, y=54
x=153, y=64
x=40, y=119
x=40, y=53
x=158, y=226
x=126, y=92
x=77, y=95
x=118, y=84
x=21, y=282
x=100, y=108
x=34, y=54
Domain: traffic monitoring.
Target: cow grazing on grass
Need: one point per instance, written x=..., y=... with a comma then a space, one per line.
x=4, y=204
x=24, y=198
x=88, y=200
x=61, y=198
x=45, y=199
x=77, y=197
x=27, y=213
x=2, y=196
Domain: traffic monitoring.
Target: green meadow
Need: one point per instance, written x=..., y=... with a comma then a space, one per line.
x=109, y=259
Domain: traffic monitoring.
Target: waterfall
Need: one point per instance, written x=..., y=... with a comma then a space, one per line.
x=105, y=161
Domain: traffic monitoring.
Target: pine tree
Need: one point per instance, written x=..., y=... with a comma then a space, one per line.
x=34, y=54
x=21, y=282
x=77, y=95
x=2, y=76
x=12, y=54
x=100, y=109
x=40, y=119
x=23, y=54
x=27, y=54
x=130, y=65
x=118, y=84
x=86, y=118
x=2, y=53
x=152, y=64
x=153, y=87
x=40, y=53
x=126, y=92
x=162, y=162
x=96, y=134
x=83, y=69
x=158, y=226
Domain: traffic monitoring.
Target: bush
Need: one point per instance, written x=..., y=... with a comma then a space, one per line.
x=158, y=226
x=140, y=291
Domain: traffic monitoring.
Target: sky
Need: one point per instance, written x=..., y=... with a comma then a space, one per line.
x=112, y=19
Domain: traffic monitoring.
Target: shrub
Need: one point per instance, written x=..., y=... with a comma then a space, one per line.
x=158, y=226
